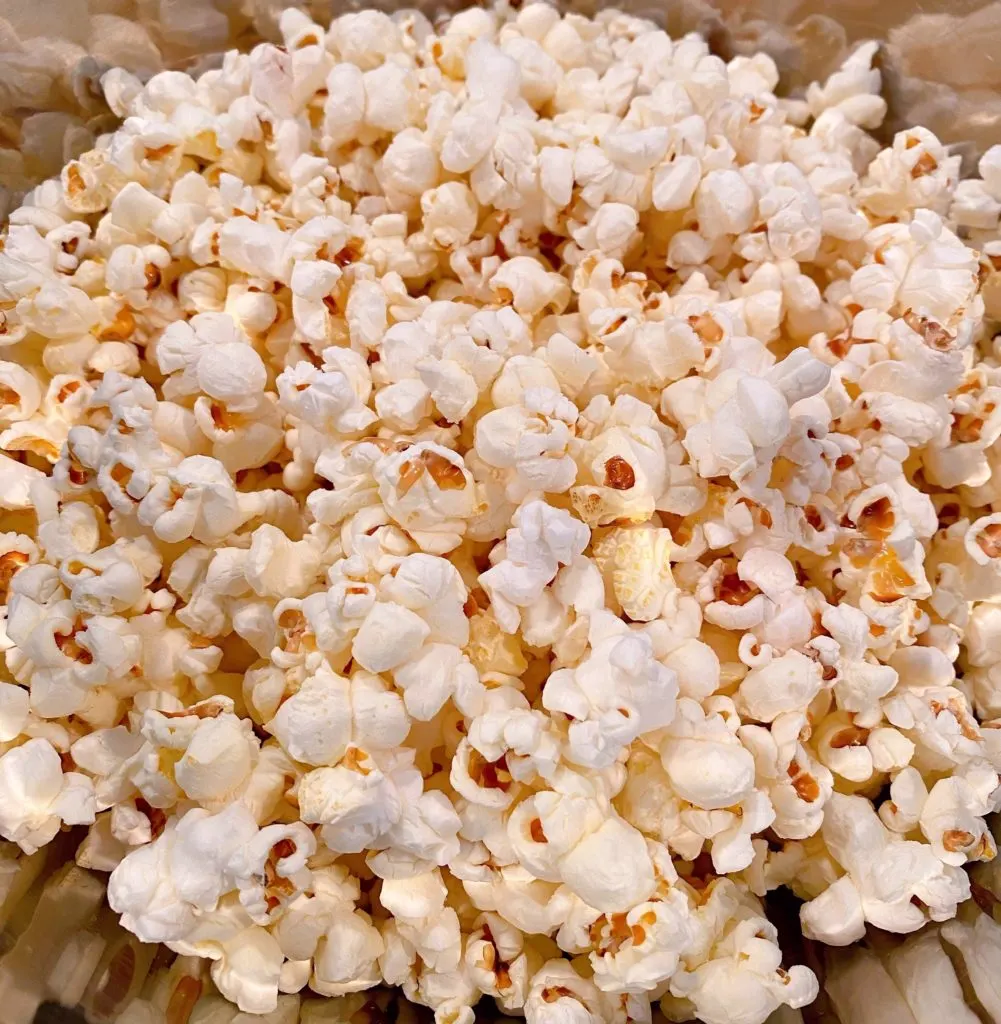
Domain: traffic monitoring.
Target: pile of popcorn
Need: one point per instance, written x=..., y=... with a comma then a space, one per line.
x=487, y=503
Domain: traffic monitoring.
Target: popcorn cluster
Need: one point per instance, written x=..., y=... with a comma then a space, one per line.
x=488, y=504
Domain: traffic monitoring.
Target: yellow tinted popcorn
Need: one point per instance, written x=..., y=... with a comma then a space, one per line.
x=505, y=494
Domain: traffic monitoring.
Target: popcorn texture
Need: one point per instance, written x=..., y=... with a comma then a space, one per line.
x=488, y=503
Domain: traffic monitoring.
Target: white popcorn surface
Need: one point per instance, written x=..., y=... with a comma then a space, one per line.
x=485, y=504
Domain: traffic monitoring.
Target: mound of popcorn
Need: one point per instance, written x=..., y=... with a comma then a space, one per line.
x=486, y=503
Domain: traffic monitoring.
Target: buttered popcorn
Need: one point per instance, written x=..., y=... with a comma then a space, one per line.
x=485, y=504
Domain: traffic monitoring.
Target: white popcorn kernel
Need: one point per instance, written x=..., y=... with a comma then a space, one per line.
x=470, y=136
x=752, y=979
x=559, y=993
x=160, y=888
x=611, y=230
x=618, y=692
x=638, y=562
x=542, y=540
x=529, y=287
x=450, y=214
x=610, y=869
x=20, y=393
x=14, y=701
x=675, y=183
x=835, y=916
x=704, y=761
x=231, y=373
x=439, y=671
x=556, y=174
x=724, y=204
x=271, y=870
x=389, y=636
x=786, y=683
x=532, y=440
x=346, y=957
x=427, y=489
x=256, y=249
x=36, y=798
x=876, y=864
x=248, y=970
x=217, y=759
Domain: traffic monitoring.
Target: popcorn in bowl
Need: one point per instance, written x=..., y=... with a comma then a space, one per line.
x=489, y=503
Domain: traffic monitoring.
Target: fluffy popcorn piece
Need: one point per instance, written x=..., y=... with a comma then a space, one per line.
x=346, y=958
x=916, y=171
x=161, y=888
x=217, y=760
x=433, y=588
x=501, y=962
x=786, y=683
x=745, y=974
x=314, y=724
x=704, y=760
x=328, y=401
x=429, y=492
x=559, y=993
x=14, y=710
x=724, y=204
x=951, y=817
x=379, y=808
x=618, y=692
x=389, y=636
x=248, y=970
x=541, y=540
x=197, y=499
x=611, y=868
x=861, y=680
x=329, y=712
x=658, y=934
x=531, y=439
x=271, y=870
x=637, y=563
x=20, y=393
x=37, y=798
x=885, y=872
x=626, y=459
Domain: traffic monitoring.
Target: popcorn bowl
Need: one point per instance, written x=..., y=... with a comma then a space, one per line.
x=64, y=954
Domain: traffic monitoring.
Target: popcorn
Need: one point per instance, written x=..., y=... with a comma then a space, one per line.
x=616, y=693
x=162, y=888
x=760, y=986
x=559, y=993
x=217, y=760
x=412, y=582
x=531, y=439
x=786, y=683
x=637, y=563
x=704, y=761
x=542, y=539
x=37, y=797
x=890, y=872
x=388, y=637
x=429, y=492
x=323, y=701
